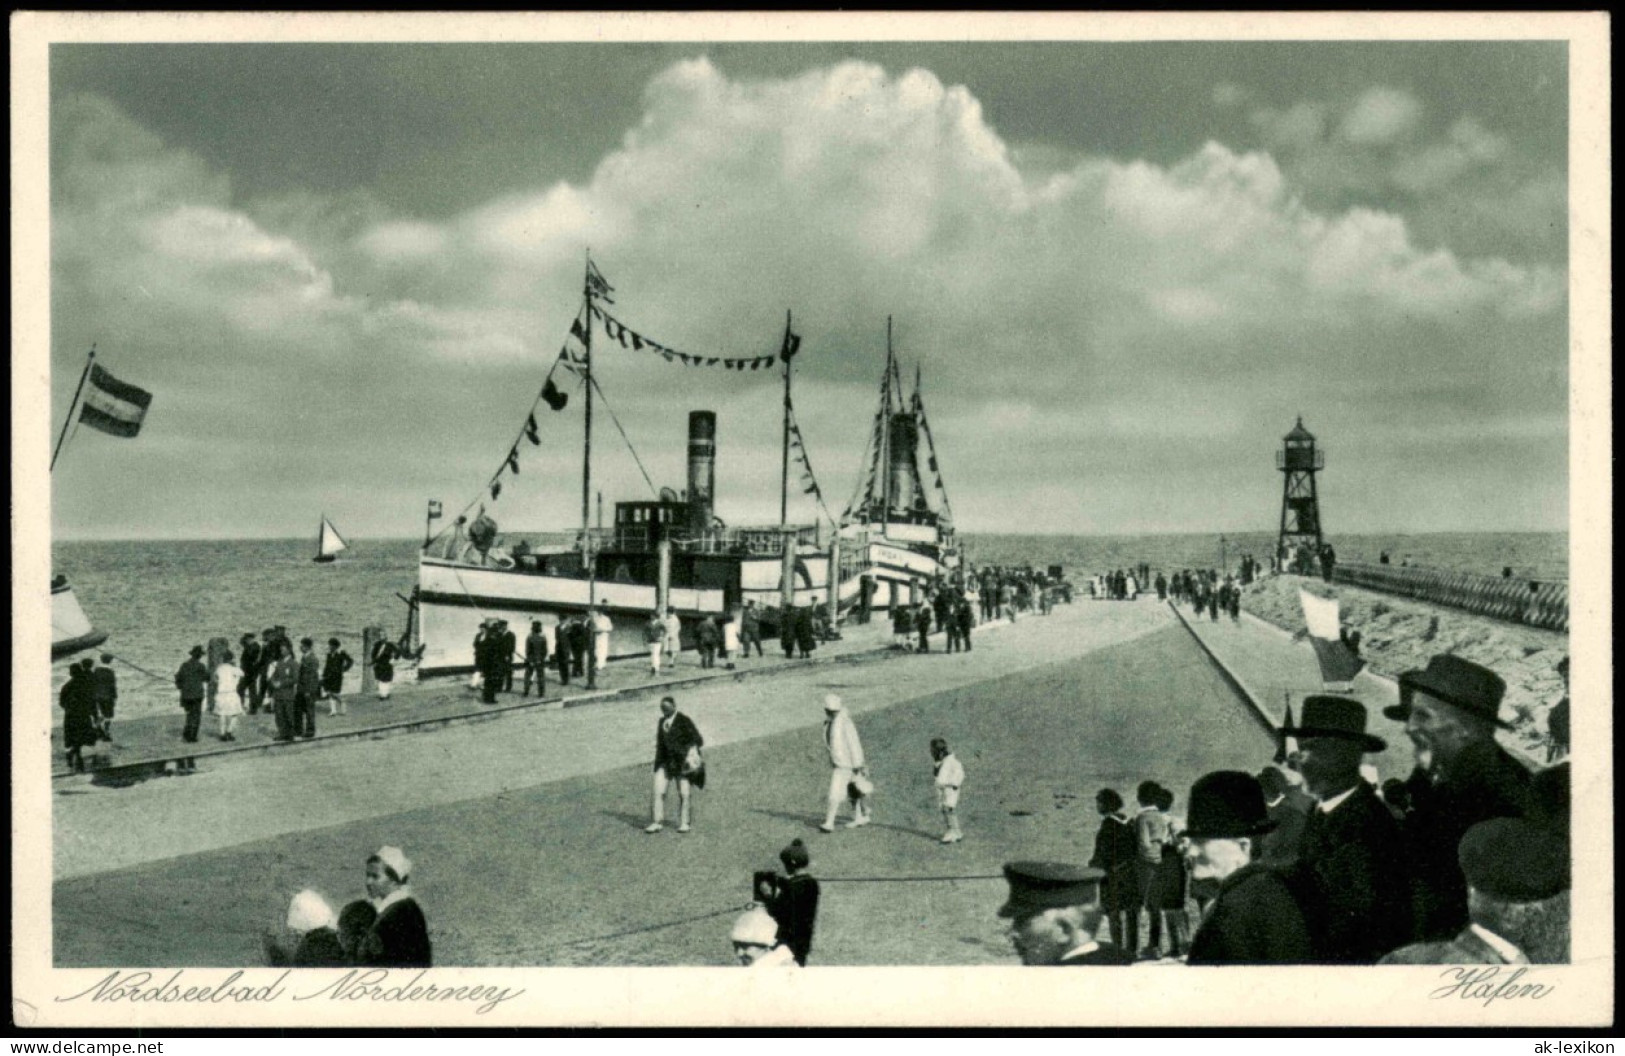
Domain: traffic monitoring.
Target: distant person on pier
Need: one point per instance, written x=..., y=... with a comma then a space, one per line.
x=677, y=761
x=284, y=685
x=580, y=644
x=922, y=626
x=536, y=652
x=654, y=636
x=673, y=643
x=1054, y=913
x=192, y=680
x=1235, y=604
x=399, y=937
x=104, y=684
x=730, y=640
x=1518, y=899
x=335, y=665
x=383, y=667
x=252, y=687
x=79, y=716
x=966, y=617
x=1463, y=776
x=227, y=704
x=750, y=629
x=806, y=632
x=308, y=691
x=947, y=775
x=1162, y=587
x=1382, y=558
x=1254, y=918
x=562, y=650
x=1114, y=855
x=846, y=765
x=1352, y=879
x=509, y=653
x=708, y=637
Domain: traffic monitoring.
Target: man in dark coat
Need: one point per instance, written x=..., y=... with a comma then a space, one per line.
x=1451, y=712
x=399, y=938
x=308, y=690
x=1054, y=912
x=806, y=632
x=1253, y=919
x=536, y=659
x=1352, y=879
x=580, y=645
x=78, y=716
x=967, y=619
x=1289, y=808
x=677, y=746
x=251, y=690
x=562, y=651
x=192, y=679
x=104, y=683
x=1114, y=856
x=509, y=651
x=335, y=665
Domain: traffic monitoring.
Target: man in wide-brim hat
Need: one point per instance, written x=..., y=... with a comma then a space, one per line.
x=1254, y=919
x=1054, y=913
x=1352, y=873
x=1451, y=711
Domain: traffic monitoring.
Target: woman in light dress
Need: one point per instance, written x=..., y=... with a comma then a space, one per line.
x=730, y=640
x=227, y=704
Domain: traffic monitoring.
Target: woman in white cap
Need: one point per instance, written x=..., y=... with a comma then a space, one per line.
x=399, y=938
x=755, y=939
x=846, y=765
x=318, y=946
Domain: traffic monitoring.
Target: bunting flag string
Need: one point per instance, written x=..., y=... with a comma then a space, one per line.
x=631, y=340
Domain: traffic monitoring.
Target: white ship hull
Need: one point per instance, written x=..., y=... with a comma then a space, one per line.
x=71, y=631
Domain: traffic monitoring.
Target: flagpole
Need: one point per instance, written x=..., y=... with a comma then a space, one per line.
x=586, y=483
x=428, y=527
x=68, y=421
x=885, y=438
x=784, y=476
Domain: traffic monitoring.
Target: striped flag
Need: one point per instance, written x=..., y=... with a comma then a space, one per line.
x=112, y=406
x=1338, y=664
x=434, y=509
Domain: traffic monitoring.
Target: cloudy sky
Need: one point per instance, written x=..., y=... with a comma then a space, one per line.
x=344, y=270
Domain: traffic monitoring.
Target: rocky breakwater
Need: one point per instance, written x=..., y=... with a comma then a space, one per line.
x=1397, y=634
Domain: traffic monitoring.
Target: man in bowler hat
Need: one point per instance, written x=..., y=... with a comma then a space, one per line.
x=1352, y=877
x=1517, y=894
x=1054, y=911
x=1462, y=777
x=1254, y=919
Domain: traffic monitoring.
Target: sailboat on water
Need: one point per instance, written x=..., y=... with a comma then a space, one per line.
x=328, y=542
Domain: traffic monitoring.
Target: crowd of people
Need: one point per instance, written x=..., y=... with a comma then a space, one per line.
x=385, y=929
x=1465, y=861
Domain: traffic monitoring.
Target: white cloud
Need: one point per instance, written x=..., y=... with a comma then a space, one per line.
x=1381, y=116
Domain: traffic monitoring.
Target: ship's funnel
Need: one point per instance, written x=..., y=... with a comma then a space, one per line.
x=904, y=468
x=702, y=469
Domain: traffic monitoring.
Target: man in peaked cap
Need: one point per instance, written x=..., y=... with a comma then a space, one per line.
x=1054, y=910
x=1254, y=919
x=1517, y=883
x=1451, y=711
x=1352, y=878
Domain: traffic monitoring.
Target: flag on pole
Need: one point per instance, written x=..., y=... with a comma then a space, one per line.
x=112, y=406
x=596, y=282
x=792, y=343
x=434, y=509
x=513, y=459
x=530, y=428
x=1338, y=664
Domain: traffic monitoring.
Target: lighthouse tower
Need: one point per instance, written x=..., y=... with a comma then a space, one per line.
x=1299, y=459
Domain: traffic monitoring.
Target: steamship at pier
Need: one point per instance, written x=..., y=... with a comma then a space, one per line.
x=674, y=551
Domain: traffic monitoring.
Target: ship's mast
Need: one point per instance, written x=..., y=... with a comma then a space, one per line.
x=784, y=477
x=586, y=449
x=885, y=437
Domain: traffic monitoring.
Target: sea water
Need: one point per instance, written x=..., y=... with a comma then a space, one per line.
x=157, y=599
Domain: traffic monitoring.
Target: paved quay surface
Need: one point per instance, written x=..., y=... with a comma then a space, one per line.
x=527, y=833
